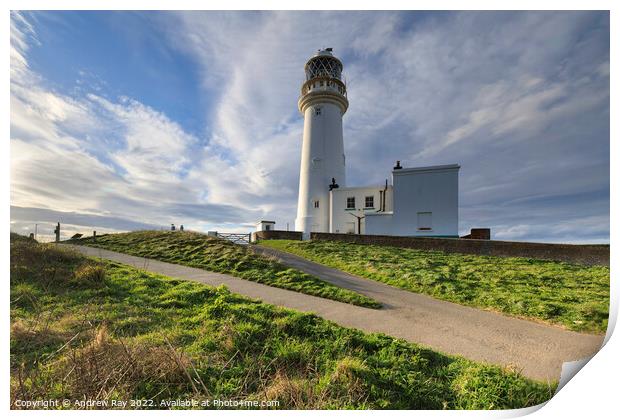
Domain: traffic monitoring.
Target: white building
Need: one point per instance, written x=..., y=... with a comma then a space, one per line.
x=265, y=225
x=423, y=202
x=418, y=202
x=349, y=205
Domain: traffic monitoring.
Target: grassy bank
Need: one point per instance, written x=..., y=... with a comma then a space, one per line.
x=570, y=295
x=200, y=251
x=81, y=329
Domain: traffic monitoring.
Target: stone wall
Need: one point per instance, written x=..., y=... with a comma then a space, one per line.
x=276, y=234
x=581, y=254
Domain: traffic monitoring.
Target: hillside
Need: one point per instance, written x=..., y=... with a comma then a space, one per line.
x=83, y=328
x=570, y=295
x=201, y=251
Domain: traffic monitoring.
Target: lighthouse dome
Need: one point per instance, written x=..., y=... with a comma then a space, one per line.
x=324, y=64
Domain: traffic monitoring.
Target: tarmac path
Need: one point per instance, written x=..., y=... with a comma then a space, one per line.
x=537, y=349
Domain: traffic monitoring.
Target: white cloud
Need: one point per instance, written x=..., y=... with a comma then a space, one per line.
x=516, y=98
x=93, y=156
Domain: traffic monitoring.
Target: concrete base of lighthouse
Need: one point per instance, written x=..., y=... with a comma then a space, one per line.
x=304, y=225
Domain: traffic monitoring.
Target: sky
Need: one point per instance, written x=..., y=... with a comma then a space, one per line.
x=137, y=120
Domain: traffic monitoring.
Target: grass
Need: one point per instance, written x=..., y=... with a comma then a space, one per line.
x=88, y=329
x=569, y=295
x=201, y=251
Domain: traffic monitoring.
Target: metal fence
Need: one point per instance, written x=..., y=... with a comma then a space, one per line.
x=237, y=238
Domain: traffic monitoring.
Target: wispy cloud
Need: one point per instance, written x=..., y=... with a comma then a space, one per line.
x=519, y=99
x=92, y=157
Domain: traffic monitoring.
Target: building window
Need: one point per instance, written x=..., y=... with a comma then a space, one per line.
x=317, y=111
x=267, y=227
x=316, y=204
x=369, y=202
x=350, y=202
x=425, y=221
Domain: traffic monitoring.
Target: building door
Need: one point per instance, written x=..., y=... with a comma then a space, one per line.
x=350, y=227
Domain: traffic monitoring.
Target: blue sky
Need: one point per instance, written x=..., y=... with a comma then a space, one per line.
x=123, y=120
x=118, y=54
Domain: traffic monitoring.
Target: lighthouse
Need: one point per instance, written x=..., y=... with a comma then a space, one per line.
x=419, y=201
x=323, y=102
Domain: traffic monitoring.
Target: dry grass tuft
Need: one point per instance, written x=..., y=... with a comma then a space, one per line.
x=36, y=336
x=348, y=369
x=90, y=274
x=107, y=368
x=347, y=381
x=294, y=393
x=47, y=265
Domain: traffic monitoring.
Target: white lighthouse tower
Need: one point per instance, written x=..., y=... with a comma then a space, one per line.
x=323, y=102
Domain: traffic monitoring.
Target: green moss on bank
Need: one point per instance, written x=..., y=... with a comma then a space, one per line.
x=571, y=295
x=201, y=251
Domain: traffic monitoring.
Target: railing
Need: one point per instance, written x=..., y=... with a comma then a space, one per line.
x=334, y=86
